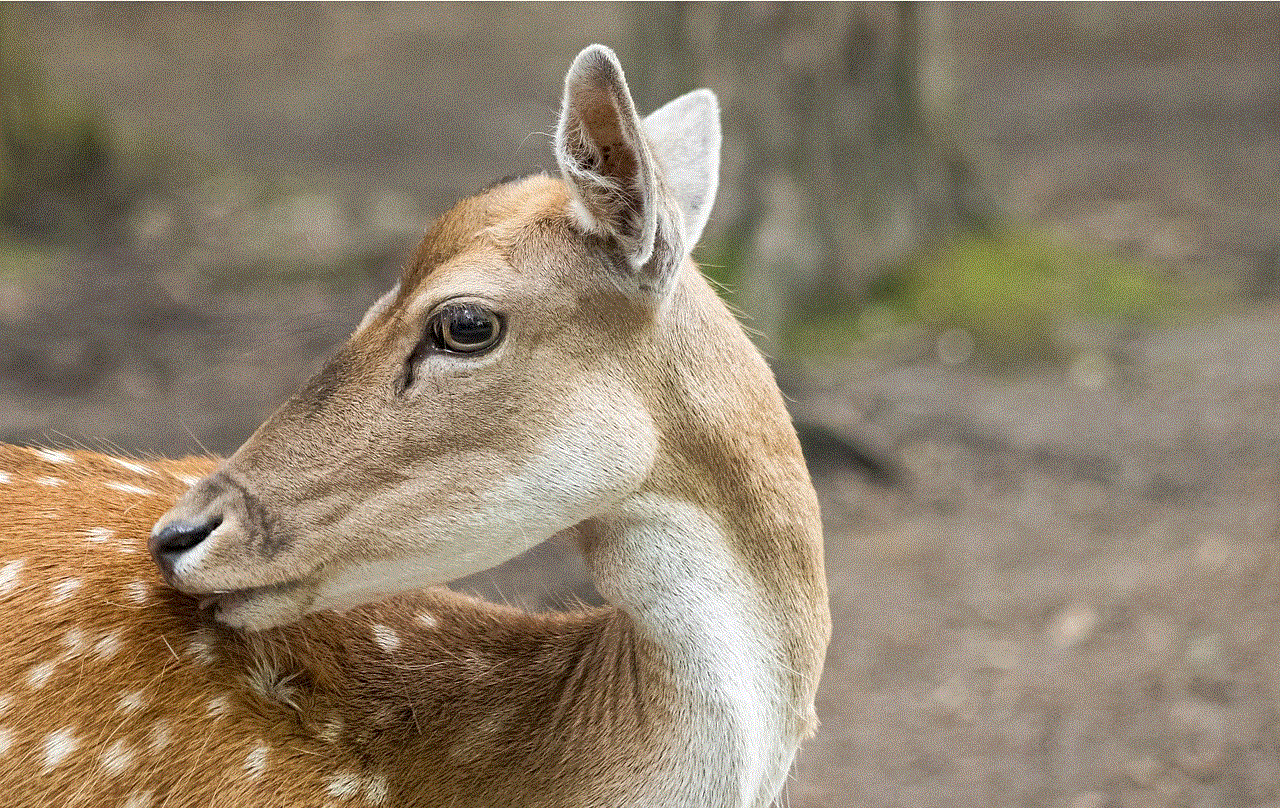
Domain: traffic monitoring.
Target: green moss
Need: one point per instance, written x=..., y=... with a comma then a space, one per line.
x=20, y=260
x=1011, y=292
x=55, y=151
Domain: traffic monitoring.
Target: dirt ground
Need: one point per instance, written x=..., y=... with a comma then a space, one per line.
x=1072, y=598
x=1066, y=591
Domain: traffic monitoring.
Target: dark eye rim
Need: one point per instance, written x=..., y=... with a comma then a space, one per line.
x=427, y=344
x=444, y=341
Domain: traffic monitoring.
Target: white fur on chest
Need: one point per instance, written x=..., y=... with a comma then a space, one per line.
x=667, y=564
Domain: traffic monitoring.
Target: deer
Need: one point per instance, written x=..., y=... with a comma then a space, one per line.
x=273, y=629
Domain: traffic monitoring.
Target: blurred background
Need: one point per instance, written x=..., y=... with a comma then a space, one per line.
x=1016, y=266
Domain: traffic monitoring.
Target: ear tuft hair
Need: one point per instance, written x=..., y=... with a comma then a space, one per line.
x=602, y=153
x=647, y=185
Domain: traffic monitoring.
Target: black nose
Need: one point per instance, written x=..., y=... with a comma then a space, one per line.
x=176, y=538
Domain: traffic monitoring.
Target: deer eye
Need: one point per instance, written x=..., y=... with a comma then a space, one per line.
x=464, y=328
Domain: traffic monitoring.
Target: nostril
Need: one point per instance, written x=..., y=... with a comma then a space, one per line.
x=176, y=538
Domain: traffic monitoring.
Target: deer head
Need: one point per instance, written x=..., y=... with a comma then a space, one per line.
x=526, y=374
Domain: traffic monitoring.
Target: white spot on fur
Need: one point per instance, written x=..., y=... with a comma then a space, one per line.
x=5, y=478
x=9, y=575
x=99, y=534
x=265, y=677
x=138, y=591
x=54, y=456
x=38, y=675
x=129, y=488
x=348, y=785
x=375, y=789
x=117, y=758
x=331, y=730
x=73, y=641
x=130, y=702
x=426, y=620
x=386, y=637
x=64, y=589
x=255, y=763
x=159, y=736
x=52, y=482
x=189, y=480
x=57, y=745
x=218, y=707
x=139, y=799
x=344, y=785
x=107, y=646
x=136, y=468
x=201, y=648
x=6, y=739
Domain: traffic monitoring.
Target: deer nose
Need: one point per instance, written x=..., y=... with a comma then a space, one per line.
x=171, y=541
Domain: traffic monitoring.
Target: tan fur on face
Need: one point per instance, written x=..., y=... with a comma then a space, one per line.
x=365, y=459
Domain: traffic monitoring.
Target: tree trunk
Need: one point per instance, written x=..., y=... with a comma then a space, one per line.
x=851, y=127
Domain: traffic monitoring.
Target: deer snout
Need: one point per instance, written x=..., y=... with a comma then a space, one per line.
x=216, y=544
x=179, y=540
x=169, y=540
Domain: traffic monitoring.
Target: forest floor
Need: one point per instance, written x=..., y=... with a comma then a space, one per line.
x=1070, y=596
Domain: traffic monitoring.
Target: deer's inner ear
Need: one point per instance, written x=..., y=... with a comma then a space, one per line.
x=611, y=171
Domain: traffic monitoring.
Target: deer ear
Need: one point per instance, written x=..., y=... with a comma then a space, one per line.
x=612, y=172
x=685, y=134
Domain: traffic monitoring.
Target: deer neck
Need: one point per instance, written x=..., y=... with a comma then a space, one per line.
x=717, y=565
x=711, y=649
x=695, y=689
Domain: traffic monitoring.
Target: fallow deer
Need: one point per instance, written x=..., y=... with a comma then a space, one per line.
x=550, y=362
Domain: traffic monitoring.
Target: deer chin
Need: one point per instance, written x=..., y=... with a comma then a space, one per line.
x=345, y=587
x=264, y=607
